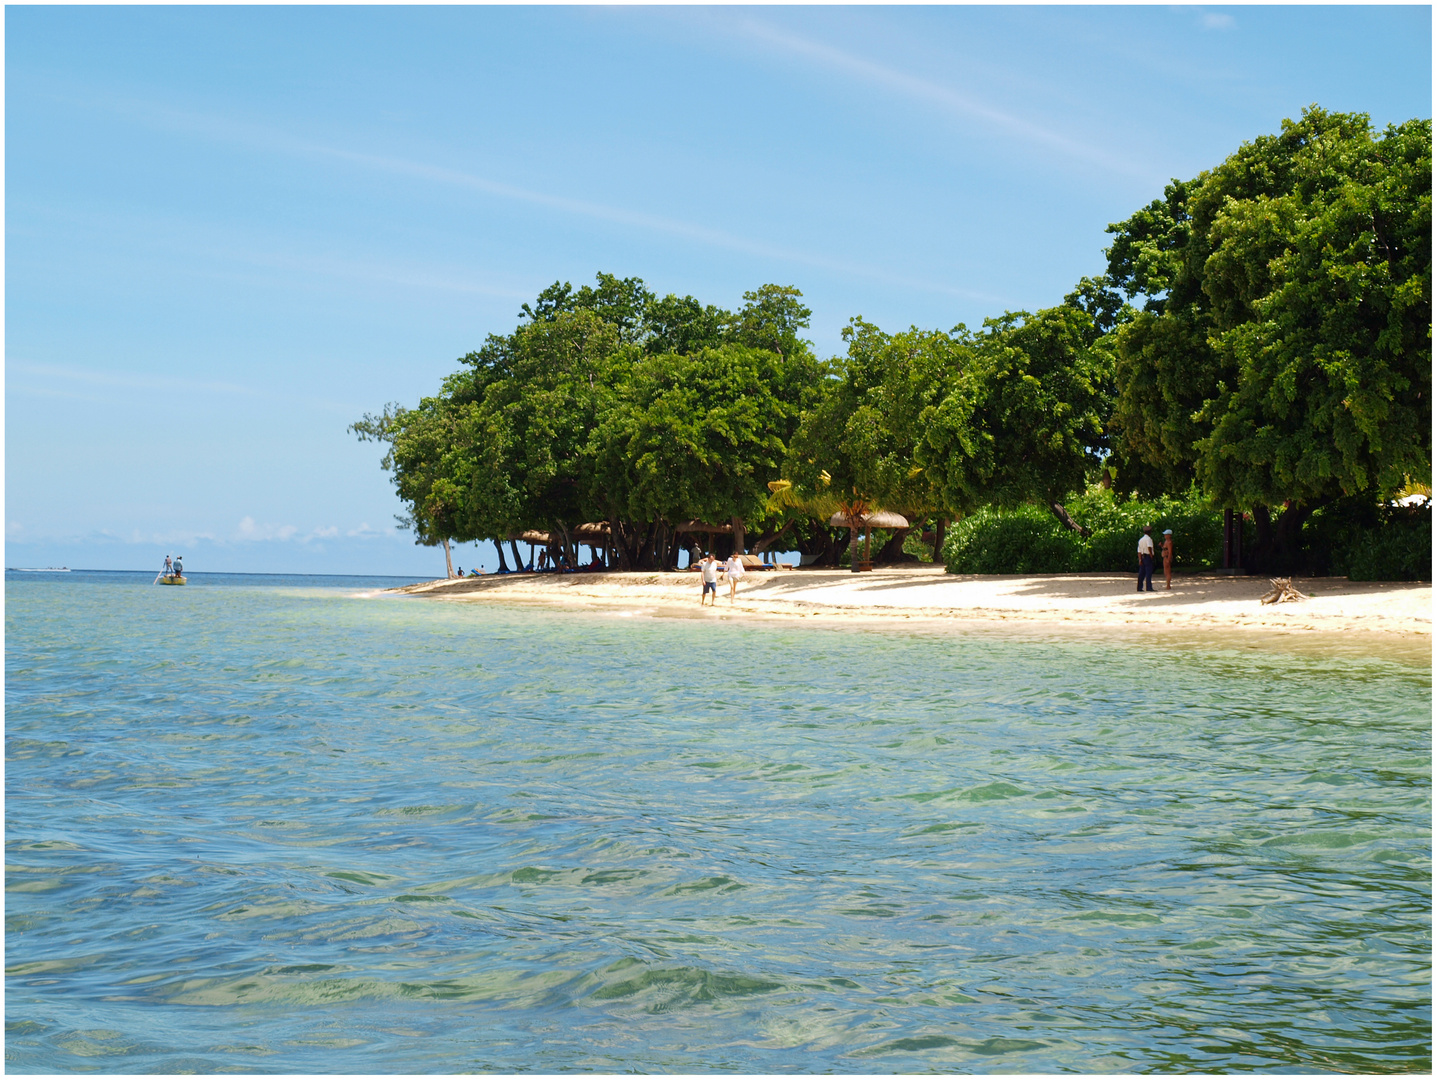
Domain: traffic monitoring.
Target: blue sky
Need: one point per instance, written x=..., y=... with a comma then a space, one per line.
x=232, y=231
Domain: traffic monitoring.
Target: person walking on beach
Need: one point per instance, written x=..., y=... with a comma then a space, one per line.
x=734, y=569
x=708, y=570
x=1168, y=556
x=1145, y=558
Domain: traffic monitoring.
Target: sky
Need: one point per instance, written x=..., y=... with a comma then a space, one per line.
x=231, y=232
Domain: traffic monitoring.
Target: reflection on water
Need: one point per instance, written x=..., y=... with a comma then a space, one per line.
x=298, y=827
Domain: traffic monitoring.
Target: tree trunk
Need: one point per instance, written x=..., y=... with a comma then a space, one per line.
x=940, y=532
x=853, y=548
x=518, y=559
x=770, y=538
x=1275, y=548
x=499, y=547
x=892, y=551
x=738, y=545
x=646, y=551
x=448, y=559
x=569, y=551
x=1062, y=515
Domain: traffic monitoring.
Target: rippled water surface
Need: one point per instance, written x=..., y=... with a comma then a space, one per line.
x=289, y=826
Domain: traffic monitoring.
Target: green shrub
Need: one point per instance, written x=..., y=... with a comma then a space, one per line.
x=1026, y=540
x=1398, y=550
x=1030, y=540
x=1355, y=537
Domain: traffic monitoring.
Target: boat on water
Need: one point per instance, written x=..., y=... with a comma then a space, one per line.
x=170, y=579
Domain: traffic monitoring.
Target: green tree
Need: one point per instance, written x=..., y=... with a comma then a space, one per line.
x=622, y=302
x=441, y=473
x=867, y=432
x=1024, y=421
x=546, y=386
x=1283, y=355
x=694, y=437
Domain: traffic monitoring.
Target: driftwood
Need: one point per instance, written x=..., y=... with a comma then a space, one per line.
x=1282, y=589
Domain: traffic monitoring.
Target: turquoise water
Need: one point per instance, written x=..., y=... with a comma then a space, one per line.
x=295, y=826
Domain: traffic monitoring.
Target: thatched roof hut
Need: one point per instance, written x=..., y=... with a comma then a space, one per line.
x=591, y=532
x=879, y=519
x=702, y=527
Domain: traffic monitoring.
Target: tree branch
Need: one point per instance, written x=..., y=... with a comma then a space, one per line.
x=1062, y=515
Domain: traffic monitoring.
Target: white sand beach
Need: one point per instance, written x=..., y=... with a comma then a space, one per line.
x=1196, y=601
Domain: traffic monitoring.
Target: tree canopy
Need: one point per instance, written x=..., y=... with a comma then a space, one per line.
x=1282, y=356
x=1262, y=335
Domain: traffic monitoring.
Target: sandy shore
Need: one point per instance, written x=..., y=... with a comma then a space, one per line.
x=926, y=593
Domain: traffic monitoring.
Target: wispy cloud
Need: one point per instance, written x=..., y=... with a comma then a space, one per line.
x=276, y=141
x=95, y=385
x=126, y=380
x=248, y=530
x=939, y=96
x=678, y=229
x=365, y=531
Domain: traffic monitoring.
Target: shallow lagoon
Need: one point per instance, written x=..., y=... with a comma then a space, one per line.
x=296, y=826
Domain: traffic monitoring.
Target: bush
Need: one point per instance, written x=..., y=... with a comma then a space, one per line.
x=1400, y=549
x=1369, y=541
x=1356, y=537
x=1030, y=540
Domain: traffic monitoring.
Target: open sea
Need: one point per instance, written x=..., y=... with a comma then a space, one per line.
x=294, y=825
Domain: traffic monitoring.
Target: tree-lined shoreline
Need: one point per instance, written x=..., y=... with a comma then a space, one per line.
x=1260, y=341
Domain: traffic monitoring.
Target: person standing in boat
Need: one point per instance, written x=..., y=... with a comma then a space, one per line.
x=169, y=566
x=179, y=566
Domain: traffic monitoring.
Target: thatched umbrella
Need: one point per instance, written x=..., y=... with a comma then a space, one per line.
x=594, y=533
x=875, y=519
x=879, y=519
x=701, y=527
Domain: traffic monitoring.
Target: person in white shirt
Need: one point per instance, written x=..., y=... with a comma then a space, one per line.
x=708, y=570
x=734, y=569
x=1145, y=558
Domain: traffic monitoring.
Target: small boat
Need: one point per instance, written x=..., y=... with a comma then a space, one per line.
x=170, y=579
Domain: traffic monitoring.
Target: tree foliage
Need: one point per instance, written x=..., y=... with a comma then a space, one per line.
x=1283, y=354
x=1261, y=336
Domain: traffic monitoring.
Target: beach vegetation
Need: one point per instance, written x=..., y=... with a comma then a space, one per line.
x=1260, y=343
x=1028, y=539
x=1281, y=357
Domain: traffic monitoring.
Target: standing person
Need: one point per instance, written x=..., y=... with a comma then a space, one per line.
x=1168, y=556
x=179, y=566
x=708, y=570
x=169, y=566
x=1145, y=558
x=734, y=569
